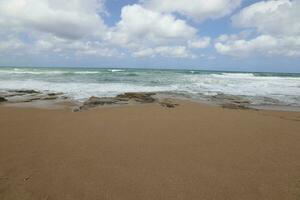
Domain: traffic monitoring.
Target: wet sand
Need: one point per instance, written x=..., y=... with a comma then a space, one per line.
x=146, y=152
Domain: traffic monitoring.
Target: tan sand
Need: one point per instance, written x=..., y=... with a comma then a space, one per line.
x=147, y=152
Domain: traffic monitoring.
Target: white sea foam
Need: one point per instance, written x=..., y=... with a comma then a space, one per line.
x=80, y=91
x=116, y=70
x=86, y=72
x=284, y=89
x=106, y=82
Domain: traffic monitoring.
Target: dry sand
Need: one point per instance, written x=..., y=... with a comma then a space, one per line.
x=147, y=152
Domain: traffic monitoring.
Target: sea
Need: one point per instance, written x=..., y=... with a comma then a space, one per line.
x=79, y=84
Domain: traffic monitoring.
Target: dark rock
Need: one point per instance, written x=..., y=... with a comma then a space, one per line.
x=55, y=94
x=231, y=101
x=97, y=101
x=26, y=91
x=168, y=103
x=2, y=99
x=142, y=97
x=94, y=101
x=32, y=99
x=121, y=99
x=234, y=106
x=118, y=100
x=50, y=98
x=230, y=98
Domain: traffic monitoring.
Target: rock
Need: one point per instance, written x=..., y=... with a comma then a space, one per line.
x=2, y=99
x=50, y=98
x=33, y=99
x=100, y=101
x=234, y=106
x=230, y=98
x=268, y=100
x=121, y=99
x=168, y=103
x=30, y=98
x=231, y=101
x=76, y=109
x=118, y=100
x=96, y=101
x=26, y=91
x=55, y=94
x=142, y=97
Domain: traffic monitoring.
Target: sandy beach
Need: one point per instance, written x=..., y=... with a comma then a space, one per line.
x=192, y=151
x=150, y=100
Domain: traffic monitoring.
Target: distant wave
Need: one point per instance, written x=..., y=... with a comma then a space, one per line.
x=116, y=70
x=46, y=72
x=87, y=72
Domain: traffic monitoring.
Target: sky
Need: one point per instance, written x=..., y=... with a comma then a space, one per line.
x=233, y=35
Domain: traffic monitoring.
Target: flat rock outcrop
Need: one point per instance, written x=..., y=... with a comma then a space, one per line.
x=231, y=101
x=168, y=103
x=125, y=99
x=2, y=99
x=26, y=91
x=142, y=97
x=97, y=101
x=129, y=98
x=25, y=96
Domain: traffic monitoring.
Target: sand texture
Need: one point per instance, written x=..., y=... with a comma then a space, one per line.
x=149, y=152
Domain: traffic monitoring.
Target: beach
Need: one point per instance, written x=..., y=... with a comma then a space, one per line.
x=149, y=100
x=147, y=151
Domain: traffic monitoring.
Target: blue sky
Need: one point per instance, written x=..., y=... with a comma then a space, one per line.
x=243, y=35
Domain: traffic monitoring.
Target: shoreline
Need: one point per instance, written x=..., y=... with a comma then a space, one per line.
x=52, y=100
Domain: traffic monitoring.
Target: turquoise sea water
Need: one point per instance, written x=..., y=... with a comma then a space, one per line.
x=81, y=83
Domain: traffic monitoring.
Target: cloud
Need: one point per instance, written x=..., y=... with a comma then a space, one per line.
x=75, y=47
x=196, y=9
x=165, y=51
x=241, y=47
x=72, y=20
x=72, y=28
x=271, y=17
x=11, y=45
x=139, y=25
x=77, y=28
x=263, y=44
x=277, y=25
x=149, y=33
x=199, y=43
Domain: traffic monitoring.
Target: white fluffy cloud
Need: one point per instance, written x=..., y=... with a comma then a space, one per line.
x=271, y=17
x=149, y=33
x=77, y=47
x=74, y=19
x=76, y=27
x=53, y=26
x=151, y=28
x=195, y=9
x=277, y=24
x=263, y=44
x=139, y=25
